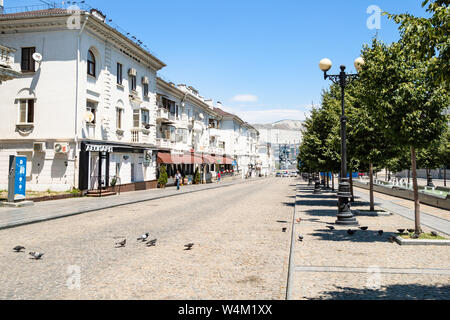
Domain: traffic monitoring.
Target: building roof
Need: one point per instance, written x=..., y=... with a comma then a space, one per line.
x=37, y=13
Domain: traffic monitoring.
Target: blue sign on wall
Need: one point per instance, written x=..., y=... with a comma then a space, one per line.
x=20, y=178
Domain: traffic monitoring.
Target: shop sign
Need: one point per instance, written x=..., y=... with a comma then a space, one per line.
x=99, y=148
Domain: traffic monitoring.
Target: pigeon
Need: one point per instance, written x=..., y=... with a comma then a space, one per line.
x=351, y=232
x=380, y=232
x=331, y=228
x=300, y=238
x=401, y=230
x=188, y=246
x=411, y=230
x=284, y=229
x=364, y=228
x=36, y=255
x=152, y=243
x=19, y=249
x=434, y=233
x=121, y=244
x=143, y=237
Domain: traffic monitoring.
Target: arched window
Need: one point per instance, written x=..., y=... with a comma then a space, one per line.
x=91, y=63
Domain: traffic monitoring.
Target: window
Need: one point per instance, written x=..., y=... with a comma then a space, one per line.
x=119, y=118
x=145, y=115
x=26, y=111
x=92, y=107
x=136, y=119
x=27, y=62
x=119, y=73
x=145, y=89
x=133, y=83
x=91, y=63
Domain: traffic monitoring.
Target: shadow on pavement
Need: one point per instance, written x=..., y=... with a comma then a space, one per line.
x=391, y=292
x=359, y=236
x=318, y=203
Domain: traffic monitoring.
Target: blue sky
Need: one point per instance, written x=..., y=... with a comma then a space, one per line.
x=259, y=58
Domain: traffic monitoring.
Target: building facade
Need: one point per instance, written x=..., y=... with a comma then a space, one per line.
x=87, y=109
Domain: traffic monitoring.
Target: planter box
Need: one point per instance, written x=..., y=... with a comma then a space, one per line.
x=421, y=242
x=434, y=201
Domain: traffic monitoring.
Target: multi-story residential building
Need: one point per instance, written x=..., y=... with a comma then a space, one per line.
x=84, y=108
x=88, y=110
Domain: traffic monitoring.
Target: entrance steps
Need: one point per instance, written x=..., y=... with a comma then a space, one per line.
x=98, y=194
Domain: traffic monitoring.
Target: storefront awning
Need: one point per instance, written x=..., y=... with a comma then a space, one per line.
x=223, y=160
x=168, y=158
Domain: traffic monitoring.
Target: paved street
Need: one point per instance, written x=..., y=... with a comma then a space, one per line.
x=335, y=265
x=240, y=251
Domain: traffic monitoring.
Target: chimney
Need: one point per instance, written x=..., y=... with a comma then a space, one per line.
x=1, y=6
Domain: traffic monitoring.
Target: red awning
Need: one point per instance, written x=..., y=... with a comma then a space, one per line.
x=224, y=160
x=208, y=159
x=168, y=158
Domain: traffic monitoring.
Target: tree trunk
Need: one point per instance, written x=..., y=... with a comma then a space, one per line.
x=332, y=181
x=372, y=202
x=445, y=176
x=429, y=179
x=416, y=192
x=386, y=174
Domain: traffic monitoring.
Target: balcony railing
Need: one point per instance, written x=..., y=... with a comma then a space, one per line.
x=140, y=136
x=162, y=114
x=214, y=132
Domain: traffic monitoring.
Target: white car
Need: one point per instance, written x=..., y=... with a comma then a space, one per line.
x=285, y=174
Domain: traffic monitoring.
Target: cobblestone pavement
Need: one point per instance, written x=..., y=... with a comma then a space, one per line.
x=240, y=251
x=323, y=249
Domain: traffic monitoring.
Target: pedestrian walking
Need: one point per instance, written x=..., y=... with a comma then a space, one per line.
x=178, y=179
x=218, y=177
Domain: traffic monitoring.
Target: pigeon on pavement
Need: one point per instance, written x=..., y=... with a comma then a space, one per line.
x=300, y=238
x=380, y=232
x=331, y=228
x=434, y=233
x=188, y=246
x=152, y=243
x=36, y=255
x=284, y=229
x=401, y=231
x=19, y=249
x=351, y=232
x=143, y=237
x=411, y=230
x=121, y=244
x=364, y=228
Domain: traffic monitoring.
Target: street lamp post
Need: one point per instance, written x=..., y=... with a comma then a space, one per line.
x=345, y=215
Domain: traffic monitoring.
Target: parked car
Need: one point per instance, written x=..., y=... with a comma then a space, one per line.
x=285, y=174
x=294, y=174
x=278, y=175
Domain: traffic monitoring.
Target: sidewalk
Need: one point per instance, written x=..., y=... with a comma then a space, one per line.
x=427, y=218
x=337, y=266
x=44, y=211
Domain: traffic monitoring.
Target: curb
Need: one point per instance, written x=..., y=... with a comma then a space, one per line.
x=75, y=213
x=421, y=242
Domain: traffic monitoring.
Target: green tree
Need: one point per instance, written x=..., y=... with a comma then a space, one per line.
x=411, y=104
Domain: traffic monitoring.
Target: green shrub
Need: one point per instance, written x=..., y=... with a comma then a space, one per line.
x=163, y=178
x=197, y=177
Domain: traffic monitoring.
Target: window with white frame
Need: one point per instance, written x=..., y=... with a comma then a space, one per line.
x=145, y=117
x=136, y=118
x=26, y=111
x=119, y=118
x=92, y=107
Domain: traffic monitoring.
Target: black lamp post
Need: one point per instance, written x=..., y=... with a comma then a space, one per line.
x=345, y=215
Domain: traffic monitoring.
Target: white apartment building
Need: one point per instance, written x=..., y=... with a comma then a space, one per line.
x=88, y=110
x=83, y=109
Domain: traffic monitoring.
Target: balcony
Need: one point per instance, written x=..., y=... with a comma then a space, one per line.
x=214, y=132
x=6, y=64
x=162, y=115
x=140, y=136
x=163, y=143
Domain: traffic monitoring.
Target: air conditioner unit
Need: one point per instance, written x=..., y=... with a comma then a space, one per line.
x=145, y=80
x=61, y=148
x=39, y=147
x=132, y=72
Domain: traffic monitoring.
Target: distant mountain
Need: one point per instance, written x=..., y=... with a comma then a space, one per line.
x=281, y=125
